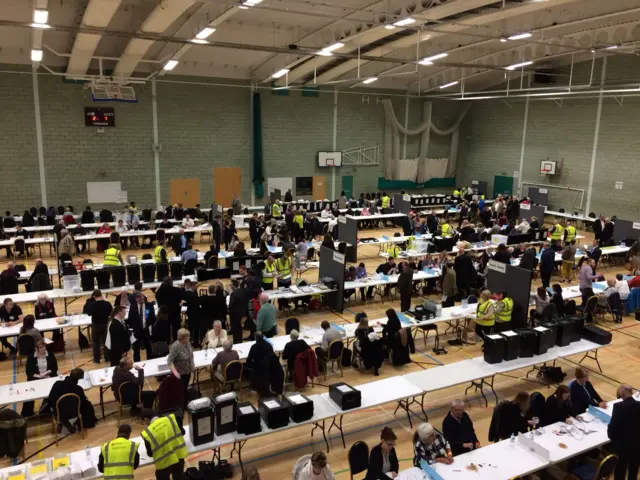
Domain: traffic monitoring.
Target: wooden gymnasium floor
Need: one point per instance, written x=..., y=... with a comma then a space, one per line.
x=275, y=454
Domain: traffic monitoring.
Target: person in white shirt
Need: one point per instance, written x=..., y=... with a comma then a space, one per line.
x=332, y=223
x=326, y=213
x=622, y=287
x=215, y=337
x=121, y=228
x=523, y=227
x=187, y=222
x=271, y=231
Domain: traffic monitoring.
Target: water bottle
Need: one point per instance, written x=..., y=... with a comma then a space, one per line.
x=87, y=451
x=439, y=310
x=513, y=438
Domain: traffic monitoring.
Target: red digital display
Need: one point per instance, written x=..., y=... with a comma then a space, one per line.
x=99, y=117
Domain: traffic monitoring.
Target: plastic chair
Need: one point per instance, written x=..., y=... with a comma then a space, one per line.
x=26, y=346
x=55, y=418
x=335, y=354
x=604, y=471
x=19, y=244
x=9, y=285
x=358, y=458
x=127, y=397
x=231, y=375
x=291, y=324
x=190, y=267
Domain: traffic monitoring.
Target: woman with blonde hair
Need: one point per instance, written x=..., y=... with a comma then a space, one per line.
x=180, y=359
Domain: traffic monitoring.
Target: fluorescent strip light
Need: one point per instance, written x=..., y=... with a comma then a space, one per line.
x=447, y=85
x=199, y=41
x=333, y=47
x=205, y=32
x=503, y=40
x=389, y=27
x=40, y=16
x=170, y=65
x=40, y=25
x=429, y=60
x=280, y=88
x=612, y=47
x=280, y=73
x=36, y=55
x=520, y=36
x=370, y=80
x=404, y=22
x=518, y=65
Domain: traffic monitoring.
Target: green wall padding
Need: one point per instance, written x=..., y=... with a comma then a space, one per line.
x=384, y=184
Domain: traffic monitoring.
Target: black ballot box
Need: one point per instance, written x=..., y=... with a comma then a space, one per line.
x=565, y=332
x=345, y=396
x=300, y=407
x=527, y=342
x=202, y=421
x=545, y=339
x=494, y=346
x=226, y=410
x=511, y=345
x=274, y=413
x=597, y=335
x=248, y=418
x=578, y=326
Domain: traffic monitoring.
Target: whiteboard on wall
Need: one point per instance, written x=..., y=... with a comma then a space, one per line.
x=105, y=192
x=283, y=184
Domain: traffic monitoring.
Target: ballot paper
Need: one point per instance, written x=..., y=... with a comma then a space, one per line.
x=271, y=404
x=297, y=399
x=345, y=388
x=246, y=410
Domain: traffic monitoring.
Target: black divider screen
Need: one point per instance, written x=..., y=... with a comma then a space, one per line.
x=332, y=265
x=516, y=282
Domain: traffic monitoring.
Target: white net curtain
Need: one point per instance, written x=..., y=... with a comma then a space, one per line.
x=420, y=169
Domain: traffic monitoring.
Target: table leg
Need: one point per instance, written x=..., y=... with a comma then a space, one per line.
x=216, y=455
x=404, y=404
x=240, y=444
x=102, y=400
x=478, y=386
x=324, y=434
x=594, y=357
x=339, y=427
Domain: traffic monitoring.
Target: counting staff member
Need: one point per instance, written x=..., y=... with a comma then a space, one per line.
x=485, y=316
x=112, y=257
x=557, y=232
x=160, y=254
x=164, y=441
x=569, y=233
x=10, y=314
x=503, y=310
x=446, y=229
x=119, y=457
x=269, y=273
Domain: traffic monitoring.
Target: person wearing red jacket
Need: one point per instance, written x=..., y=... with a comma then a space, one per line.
x=634, y=282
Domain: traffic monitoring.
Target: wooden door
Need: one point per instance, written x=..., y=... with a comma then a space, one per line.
x=185, y=191
x=319, y=187
x=227, y=182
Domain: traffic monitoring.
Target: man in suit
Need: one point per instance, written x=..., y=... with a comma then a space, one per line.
x=598, y=225
x=99, y=310
x=623, y=432
x=254, y=226
x=141, y=316
x=465, y=272
x=547, y=264
x=192, y=302
x=606, y=237
x=118, y=338
x=238, y=309
x=217, y=231
x=179, y=242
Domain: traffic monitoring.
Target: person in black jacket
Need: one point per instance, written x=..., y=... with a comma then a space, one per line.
x=606, y=237
x=502, y=255
x=583, y=394
x=69, y=410
x=171, y=297
x=458, y=430
x=557, y=299
x=547, y=264
x=292, y=349
x=557, y=408
x=623, y=432
x=258, y=353
x=217, y=231
x=254, y=227
x=141, y=315
x=192, y=302
x=510, y=418
x=383, y=461
x=100, y=311
x=465, y=272
x=405, y=288
x=118, y=337
x=238, y=309
x=391, y=327
x=160, y=329
x=87, y=216
x=34, y=372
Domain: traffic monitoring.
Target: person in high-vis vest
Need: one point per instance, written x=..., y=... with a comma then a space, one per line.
x=160, y=254
x=269, y=272
x=392, y=251
x=385, y=200
x=164, y=441
x=503, y=310
x=285, y=267
x=409, y=242
x=485, y=316
x=446, y=229
x=276, y=210
x=119, y=457
x=112, y=257
x=570, y=233
x=557, y=232
x=456, y=192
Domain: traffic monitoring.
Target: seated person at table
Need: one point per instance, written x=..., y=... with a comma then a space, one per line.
x=557, y=407
x=582, y=393
x=10, y=271
x=330, y=334
x=189, y=254
x=223, y=358
x=68, y=410
x=215, y=337
x=292, y=348
x=510, y=418
x=383, y=461
x=124, y=373
x=10, y=314
x=239, y=250
x=266, y=320
x=28, y=328
x=39, y=268
x=212, y=252
x=312, y=467
x=258, y=353
x=622, y=287
x=557, y=300
x=40, y=365
x=541, y=299
x=430, y=446
x=368, y=344
x=457, y=428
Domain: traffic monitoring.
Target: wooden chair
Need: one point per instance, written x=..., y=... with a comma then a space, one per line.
x=123, y=394
x=335, y=354
x=55, y=418
x=231, y=375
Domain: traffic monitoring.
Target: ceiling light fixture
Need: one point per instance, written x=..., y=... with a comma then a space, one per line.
x=40, y=25
x=429, y=60
x=503, y=40
x=199, y=41
x=333, y=47
x=170, y=65
x=280, y=73
x=389, y=27
x=519, y=65
x=404, y=22
x=251, y=3
x=205, y=32
x=447, y=85
x=611, y=47
x=36, y=55
x=520, y=36
x=370, y=80
x=40, y=16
